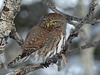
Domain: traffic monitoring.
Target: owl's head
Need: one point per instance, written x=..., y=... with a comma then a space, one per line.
x=53, y=20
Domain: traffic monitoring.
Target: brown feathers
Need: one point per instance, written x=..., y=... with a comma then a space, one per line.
x=41, y=42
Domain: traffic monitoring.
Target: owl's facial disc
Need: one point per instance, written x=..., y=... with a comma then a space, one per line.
x=49, y=24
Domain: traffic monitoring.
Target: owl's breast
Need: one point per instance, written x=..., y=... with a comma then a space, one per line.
x=42, y=44
x=52, y=46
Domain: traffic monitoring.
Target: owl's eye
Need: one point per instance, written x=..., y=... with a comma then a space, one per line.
x=44, y=22
x=54, y=22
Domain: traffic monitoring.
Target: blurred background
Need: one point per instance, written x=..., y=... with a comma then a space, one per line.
x=86, y=62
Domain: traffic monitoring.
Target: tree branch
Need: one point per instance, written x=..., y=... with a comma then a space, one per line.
x=53, y=8
x=53, y=60
x=78, y=27
x=7, y=26
x=69, y=18
x=88, y=45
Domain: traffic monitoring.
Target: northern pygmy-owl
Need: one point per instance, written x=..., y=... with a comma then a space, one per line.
x=45, y=39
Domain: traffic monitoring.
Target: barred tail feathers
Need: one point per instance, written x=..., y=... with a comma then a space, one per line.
x=21, y=56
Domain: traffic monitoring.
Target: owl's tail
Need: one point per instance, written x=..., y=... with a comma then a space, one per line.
x=20, y=57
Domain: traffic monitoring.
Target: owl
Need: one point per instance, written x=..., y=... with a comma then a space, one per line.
x=45, y=39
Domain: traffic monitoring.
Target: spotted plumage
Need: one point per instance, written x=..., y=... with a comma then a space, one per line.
x=45, y=39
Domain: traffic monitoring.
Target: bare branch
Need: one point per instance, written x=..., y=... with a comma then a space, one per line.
x=94, y=21
x=77, y=29
x=69, y=18
x=52, y=60
x=84, y=36
x=10, y=9
x=14, y=35
x=88, y=45
x=53, y=8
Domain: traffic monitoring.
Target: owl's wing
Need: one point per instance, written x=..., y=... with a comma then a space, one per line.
x=34, y=41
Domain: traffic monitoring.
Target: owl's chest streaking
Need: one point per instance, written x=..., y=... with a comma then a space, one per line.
x=41, y=43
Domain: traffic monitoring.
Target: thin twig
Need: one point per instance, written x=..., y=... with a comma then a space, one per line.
x=88, y=45
x=78, y=27
x=53, y=8
x=84, y=35
x=69, y=18
x=14, y=35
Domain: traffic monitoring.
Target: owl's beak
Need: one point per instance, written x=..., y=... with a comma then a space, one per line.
x=47, y=25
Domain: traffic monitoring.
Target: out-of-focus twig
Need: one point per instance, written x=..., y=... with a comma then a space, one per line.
x=88, y=45
x=69, y=18
x=87, y=17
x=84, y=35
x=53, y=8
